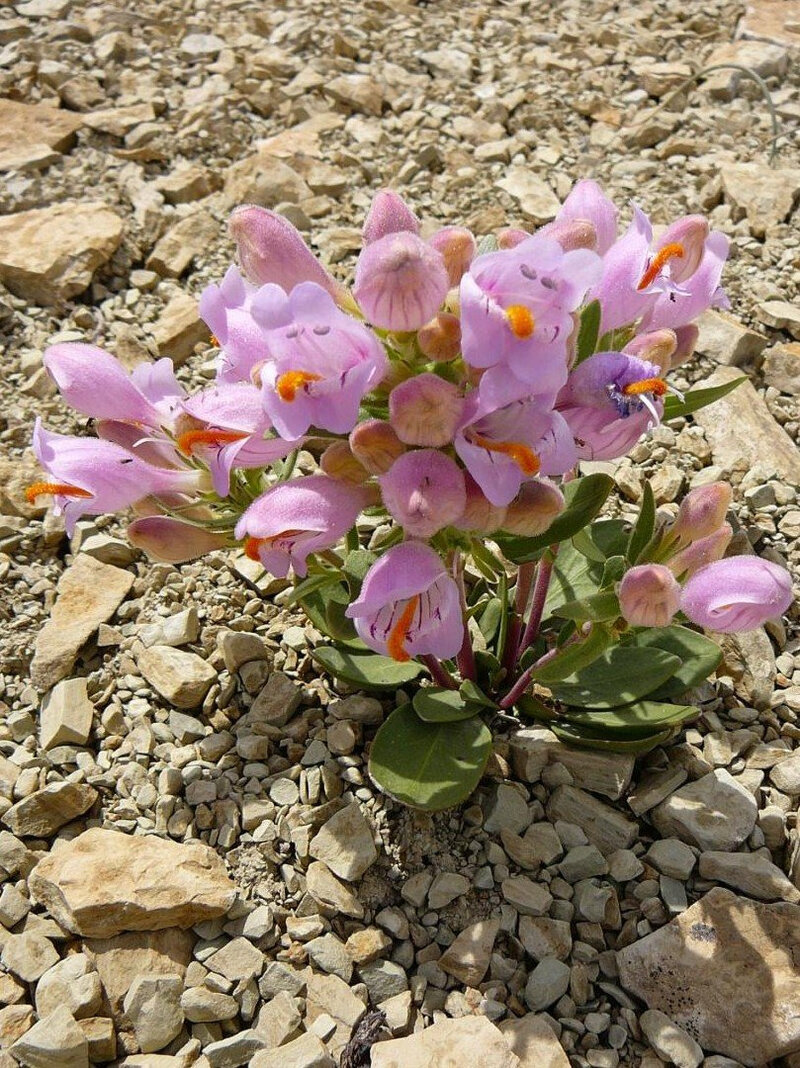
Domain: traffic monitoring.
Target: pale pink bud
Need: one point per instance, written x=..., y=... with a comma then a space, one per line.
x=574, y=233
x=440, y=339
x=656, y=347
x=702, y=511
x=375, y=445
x=701, y=552
x=511, y=237
x=388, y=214
x=479, y=515
x=457, y=248
x=424, y=491
x=339, y=462
x=649, y=596
x=686, y=337
x=171, y=541
x=689, y=235
x=400, y=282
x=534, y=508
x=425, y=410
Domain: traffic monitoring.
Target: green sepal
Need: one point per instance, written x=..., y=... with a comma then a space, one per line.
x=588, y=332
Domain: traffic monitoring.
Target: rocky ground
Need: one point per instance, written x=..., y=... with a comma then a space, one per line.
x=195, y=867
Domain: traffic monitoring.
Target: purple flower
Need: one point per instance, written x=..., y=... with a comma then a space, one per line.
x=649, y=596
x=294, y=519
x=225, y=309
x=91, y=477
x=502, y=447
x=588, y=203
x=388, y=214
x=321, y=361
x=516, y=315
x=409, y=605
x=400, y=281
x=424, y=491
x=702, y=512
x=479, y=515
x=676, y=307
x=375, y=445
x=609, y=401
x=425, y=410
x=623, y=297
x=701, y=552
x=735, y=594
x=534, y=509
x=96, y=384
x=170, y=540
x=230, y=432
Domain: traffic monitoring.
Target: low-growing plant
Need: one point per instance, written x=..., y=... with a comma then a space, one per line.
x=410, y=450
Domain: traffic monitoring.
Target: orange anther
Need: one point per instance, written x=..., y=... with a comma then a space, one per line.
x=525, y=458
x=187, y=441
x=62, y=489
x=395, y=646
x=289, y=383
x=521, y=320
x=658, y=261
x=251, y=547
x=657, y=386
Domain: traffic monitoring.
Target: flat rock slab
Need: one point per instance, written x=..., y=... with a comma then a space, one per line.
x=42, y=813
x=742, y=432
x=448, y=1044
x=50, y=254
x=534, y=196
x=600, y=773
x=23, y=126
x=104, y=882
x=727, y=970
x=89, y=593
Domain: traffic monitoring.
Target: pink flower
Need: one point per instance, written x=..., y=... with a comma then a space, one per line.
x=424, y=491
x=292, y=520
x=702, y=511
x=588, y=203
x=534, y=508
x=649, y=596
x=375, y=445
x=225, y=309
x=401, y=281
x=701, y=552
x=170, y=540
x=677, y=307
x=321, y=361
x=388, y=214
x=735, y=594
x=409, y=605
x=425, y=410
x=457, y=247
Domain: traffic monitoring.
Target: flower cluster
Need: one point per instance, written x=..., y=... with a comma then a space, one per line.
x=449, y=396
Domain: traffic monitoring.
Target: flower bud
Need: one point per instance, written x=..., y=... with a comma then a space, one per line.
x=574, y=233
x=649, y=596
x=425, y=410
x=511, y=237
x=656, y=347
x=424, y=491
x=534, y=508
x=400, y=282
x=339, y=462
x=375, y=445
x=735, y=594
x=170, y=540
x=686, y=338
x=701, y=552
x=479, y=515
x=440, y=339
x=388, y=214
x=457, y=247
x=690, y=233
x=702, y=511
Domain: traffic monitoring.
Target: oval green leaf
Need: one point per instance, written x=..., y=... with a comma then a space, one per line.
x=574, y=657
x=431, y=766
x=583, y=739
x=434, y=704
x=634, y=720
x=699, y=656
x=618, y=676
x=366, y=670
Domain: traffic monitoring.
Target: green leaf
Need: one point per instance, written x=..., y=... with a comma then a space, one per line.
x=435, y=704
x=356, y=565
x=588, y=332
x=699, y=657
x=574, y=657
x=311, y=585
x=489, y=623
x=531, y=706
x=613, y=571
x=367, y=670
x=574, y=578
x=696, y=399
x=316, y=606
x=644, y=527
x=619, y=676
x=431, y=766
x=473, y=694
x=633, y=720
x=583, y=738
x=604, y=538
x=584, y=496
x=600, y=607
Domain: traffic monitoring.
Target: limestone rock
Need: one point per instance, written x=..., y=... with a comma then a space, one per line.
x=89, y=593
x=72, y=982
x=448, y=1044
x=265, y=180
x=153, y=1007
x=601, y=773
x=468, y=956
x=727, y=341
x=104, y=882
x=773, y=21
x=727, y=971
x=345, y=843
x=182, y=243
x=749, y=659
x=66, y=715
x=50, y=254
x=782, y=367
x=56, y=1041
x=742, y=432
x=533, y=1040
x=754, y=875
x=765, y=195
x=40, y=814
x=119, y=121
x=34, y=135
x=780, y=315
x=671, y=1043
x=358, y=92
x=326, y=889
x=179, y=328
x=715, y=812
x=603, y=825
x=307, y=1051
x=28, y=955
x=182, y=678
x=535, y=197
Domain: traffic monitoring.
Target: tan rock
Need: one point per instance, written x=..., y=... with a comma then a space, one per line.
x=40, y=814
x=186, y=183
x=104, y=882
x=15, y=1020
x=50, y=254
x=448, y=1044
x=726, y=340
x=179, y=328
x=694, y=970
x=329, y=892
x=119, y=960
x=603, y=825
x=774, y=21
x=358, y=92
x=56, y=1041
x=763, y=194
x=303, y=138
x=533, y=1040
x=535, y=197
x=182, y=678
x=345, y=843
x=467, y=957
x=742, y=432
x=307, y=1051
x=780, y=315
x=32, y=128
x=89, y=593
x=100, y=1037
x=782, y=367
x=66, y=715
x=27, y=157
x=601, y=773
x=263, y=179
x=182, y=243
x=119, y=121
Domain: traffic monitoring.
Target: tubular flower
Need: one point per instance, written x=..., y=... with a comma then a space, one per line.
x=440, y=339
x=339, y=462
x=503, y=447
x=657, y=347
x=228, y=432
x=628, y=274
x=735, y=594
x=701, y=552
x=87, y=476
x=375, y=445
x=457, y=247
x=283, y=526
x=425, y=410
x=96, y=384
x=388, y=214
x=479, y=515
x=170, y=540
x=424, y=491
x=534, y=508
x=225, y=309
x=678, y=306
x=321, y=363
x=516, y=315
x=401, y=281
x=649, y=596
x=409, y=605
x=609, y=401
x=702, y=512
x=588, y=203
